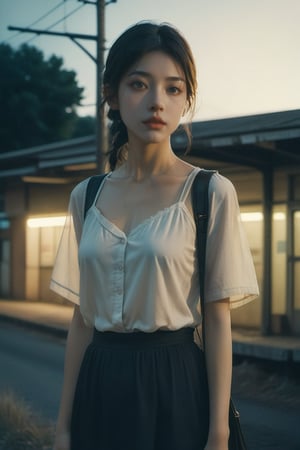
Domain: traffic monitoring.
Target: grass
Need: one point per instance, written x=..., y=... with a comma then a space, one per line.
x=264, y=383
x=20, y=428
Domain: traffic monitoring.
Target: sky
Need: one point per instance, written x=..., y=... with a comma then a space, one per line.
x=247, y=52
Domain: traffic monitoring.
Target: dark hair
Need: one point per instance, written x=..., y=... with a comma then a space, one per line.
x=140, y=39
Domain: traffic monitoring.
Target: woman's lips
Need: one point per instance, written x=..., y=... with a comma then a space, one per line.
x=154, y=122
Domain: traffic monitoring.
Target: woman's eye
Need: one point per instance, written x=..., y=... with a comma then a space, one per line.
x=137, y=84
x=174, y=90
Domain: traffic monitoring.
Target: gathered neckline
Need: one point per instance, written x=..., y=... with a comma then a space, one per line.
x=111, y=226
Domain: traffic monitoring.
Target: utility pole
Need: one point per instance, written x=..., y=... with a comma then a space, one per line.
x=101, y=137
x=101, y=129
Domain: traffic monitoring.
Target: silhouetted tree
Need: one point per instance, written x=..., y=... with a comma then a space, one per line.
x=37, y=98
x=84, y=126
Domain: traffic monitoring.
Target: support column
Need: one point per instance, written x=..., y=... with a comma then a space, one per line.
x=18, y=258
x=267, y=258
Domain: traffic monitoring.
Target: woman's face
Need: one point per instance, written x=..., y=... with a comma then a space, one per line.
x=152, y=97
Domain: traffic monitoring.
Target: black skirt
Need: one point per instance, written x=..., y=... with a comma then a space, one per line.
x=141, y=391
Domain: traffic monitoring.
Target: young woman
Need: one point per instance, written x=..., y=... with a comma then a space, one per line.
x=134, y=377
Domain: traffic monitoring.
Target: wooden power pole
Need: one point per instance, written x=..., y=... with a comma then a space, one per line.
x=101, y=137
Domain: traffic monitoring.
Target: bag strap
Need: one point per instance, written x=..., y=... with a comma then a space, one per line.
x=92, y=188
x=200, y=202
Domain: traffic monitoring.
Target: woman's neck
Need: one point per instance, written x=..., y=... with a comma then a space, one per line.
x=148, y=162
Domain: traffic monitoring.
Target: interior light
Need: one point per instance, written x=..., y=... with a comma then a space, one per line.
x=75, y=167
x=258, y=216
x=279, y=216
x=40, y=222
x=252, y=216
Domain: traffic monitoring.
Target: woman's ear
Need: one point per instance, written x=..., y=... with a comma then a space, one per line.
x=185, y=109
x=110, y=97
x=113, y=102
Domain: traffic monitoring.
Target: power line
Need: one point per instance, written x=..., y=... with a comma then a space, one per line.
x=55, y=33
x=65, y=17
x=48, y=13
x=57, y=22
x=37, y=20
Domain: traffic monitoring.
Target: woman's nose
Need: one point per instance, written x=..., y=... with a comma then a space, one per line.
x=156, y=101
x=156, y=107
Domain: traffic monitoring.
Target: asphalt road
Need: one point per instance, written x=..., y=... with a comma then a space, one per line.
x=32, y=367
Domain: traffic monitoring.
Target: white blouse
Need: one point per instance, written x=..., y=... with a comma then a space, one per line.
x=147, y=279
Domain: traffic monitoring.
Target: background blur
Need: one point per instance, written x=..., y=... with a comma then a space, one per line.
x=247, y=52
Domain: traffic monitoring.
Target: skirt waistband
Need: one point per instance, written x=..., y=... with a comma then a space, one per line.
x=140, y=339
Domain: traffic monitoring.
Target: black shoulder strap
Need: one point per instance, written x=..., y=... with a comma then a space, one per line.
x=200, y=202
x=91, y=191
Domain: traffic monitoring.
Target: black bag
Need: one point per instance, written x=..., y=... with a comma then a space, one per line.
x=200, y=208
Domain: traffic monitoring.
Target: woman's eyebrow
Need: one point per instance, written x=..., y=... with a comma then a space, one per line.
x=148, y=75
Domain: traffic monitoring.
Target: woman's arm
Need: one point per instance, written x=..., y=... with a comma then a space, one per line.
x=79, y=337
x=218, y=351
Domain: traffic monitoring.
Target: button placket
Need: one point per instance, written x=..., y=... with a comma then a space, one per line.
x=118, y=280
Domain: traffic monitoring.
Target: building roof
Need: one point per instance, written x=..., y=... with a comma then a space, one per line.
x=262, y=141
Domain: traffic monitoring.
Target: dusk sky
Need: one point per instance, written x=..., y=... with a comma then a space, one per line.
x=247, y=51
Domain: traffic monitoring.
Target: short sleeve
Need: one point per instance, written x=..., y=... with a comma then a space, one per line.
x=230, y=270
x=65, y=279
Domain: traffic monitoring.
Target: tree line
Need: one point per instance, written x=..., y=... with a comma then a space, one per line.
x=38, y=99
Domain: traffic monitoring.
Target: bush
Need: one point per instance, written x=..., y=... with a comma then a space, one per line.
x=20, y=429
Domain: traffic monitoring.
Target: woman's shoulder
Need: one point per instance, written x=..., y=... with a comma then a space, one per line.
x=77, y=196
x=80, y=188
x=79, y=191
x=221, y=186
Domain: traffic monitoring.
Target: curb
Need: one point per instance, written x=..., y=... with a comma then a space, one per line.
x=266, y=352
x=58, y=332
x=240, y=348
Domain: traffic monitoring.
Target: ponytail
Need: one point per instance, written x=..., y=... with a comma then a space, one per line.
x=118, y=139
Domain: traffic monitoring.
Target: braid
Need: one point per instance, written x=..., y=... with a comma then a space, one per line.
x=118, y=137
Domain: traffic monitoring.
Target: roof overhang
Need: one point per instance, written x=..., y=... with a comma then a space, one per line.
x=264, y=141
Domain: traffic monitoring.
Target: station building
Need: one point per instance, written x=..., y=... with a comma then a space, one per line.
x=260, y=154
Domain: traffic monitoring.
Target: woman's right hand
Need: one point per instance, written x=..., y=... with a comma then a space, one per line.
x=62, y=441
x=79, y=337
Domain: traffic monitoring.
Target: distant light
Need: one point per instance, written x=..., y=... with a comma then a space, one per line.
x=258, y=216
x=279, y=216
x=41, y=222
x=74, y=167
x=252, y=216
